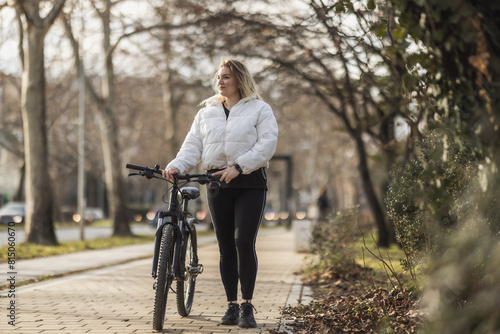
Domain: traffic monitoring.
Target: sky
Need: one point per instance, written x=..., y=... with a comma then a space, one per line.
x=9, y=56
x=58, y=53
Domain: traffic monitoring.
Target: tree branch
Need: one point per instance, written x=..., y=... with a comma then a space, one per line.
x=166, y=26
x=30, y=11
x=89, y=88
x=54, y=12
x=20, y=48
x=11, y=144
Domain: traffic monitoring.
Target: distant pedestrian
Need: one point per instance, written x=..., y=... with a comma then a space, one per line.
x=234, y=136
x=323, y=206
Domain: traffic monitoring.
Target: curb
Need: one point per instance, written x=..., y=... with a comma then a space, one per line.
x=300, y=294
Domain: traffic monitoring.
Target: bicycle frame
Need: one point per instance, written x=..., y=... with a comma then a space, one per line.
x=182, y=228
x=178, y=216
x=170, y=259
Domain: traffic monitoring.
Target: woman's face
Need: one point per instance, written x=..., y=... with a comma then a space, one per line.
x=226, y=83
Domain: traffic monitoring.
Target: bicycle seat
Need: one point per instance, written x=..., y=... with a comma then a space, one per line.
x=190, y=192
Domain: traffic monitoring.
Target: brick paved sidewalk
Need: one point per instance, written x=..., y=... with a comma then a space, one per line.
x=119, y=299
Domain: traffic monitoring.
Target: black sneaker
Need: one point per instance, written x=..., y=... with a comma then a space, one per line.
x=246, y=318
x=232, y=315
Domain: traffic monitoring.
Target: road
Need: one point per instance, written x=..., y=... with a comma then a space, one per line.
x=91, y=232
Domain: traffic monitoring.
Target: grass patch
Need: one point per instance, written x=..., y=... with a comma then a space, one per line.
x=96, y=223
x=5, y=227
x=391, y=255
x=386, y=264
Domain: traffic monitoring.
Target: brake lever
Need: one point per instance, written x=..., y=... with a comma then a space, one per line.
x=148, y=174
x=215, y=179
x=206, y=179
x=214, y=183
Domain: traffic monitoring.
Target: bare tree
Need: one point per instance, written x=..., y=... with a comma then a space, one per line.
x=39, y=221
x=103, y=105
x=167, y=83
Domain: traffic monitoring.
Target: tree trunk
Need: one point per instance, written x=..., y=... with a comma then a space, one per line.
x=167, y=96
x=389, y=152
x=39, y=220
x=113, y=175
x=378, y=214
x=19, y=196
x=109, y=133
x=170, y=113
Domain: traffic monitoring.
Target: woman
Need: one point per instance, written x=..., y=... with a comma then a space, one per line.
x=234, y=136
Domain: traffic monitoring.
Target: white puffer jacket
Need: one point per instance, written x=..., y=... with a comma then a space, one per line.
x=248, y=137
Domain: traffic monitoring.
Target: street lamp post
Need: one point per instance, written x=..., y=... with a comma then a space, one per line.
x=81, y=137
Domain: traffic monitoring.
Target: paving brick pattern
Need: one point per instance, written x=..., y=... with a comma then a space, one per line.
x=119, y=299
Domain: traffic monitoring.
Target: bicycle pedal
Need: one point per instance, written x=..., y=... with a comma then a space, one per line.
x=195, y=270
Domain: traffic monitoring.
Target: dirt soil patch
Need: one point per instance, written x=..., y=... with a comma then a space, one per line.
x=353, y=302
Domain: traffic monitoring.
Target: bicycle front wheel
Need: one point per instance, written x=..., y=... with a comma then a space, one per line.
x=165, y=276
x=185, y=288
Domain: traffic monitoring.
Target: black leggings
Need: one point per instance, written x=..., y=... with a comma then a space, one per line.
x=236, y=215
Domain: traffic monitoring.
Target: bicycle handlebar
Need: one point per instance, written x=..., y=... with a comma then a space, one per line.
x=148, y=172
x=156, y=169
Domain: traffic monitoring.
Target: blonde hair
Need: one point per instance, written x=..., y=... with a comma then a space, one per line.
x=244, y=80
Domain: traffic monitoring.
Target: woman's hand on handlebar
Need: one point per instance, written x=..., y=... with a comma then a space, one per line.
x=169, y=173
x=227, y=174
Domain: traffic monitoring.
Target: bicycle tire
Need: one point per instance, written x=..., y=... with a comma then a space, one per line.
x=185, y=288
x=165, y=276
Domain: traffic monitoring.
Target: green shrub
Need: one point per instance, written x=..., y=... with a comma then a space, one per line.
x=445, y=209
x=333, y=241
x=423, y=195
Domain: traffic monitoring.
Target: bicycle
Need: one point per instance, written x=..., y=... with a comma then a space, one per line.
x=175, y=254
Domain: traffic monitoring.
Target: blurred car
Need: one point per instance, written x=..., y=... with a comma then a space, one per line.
x=91, y=214
x=12, y=212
